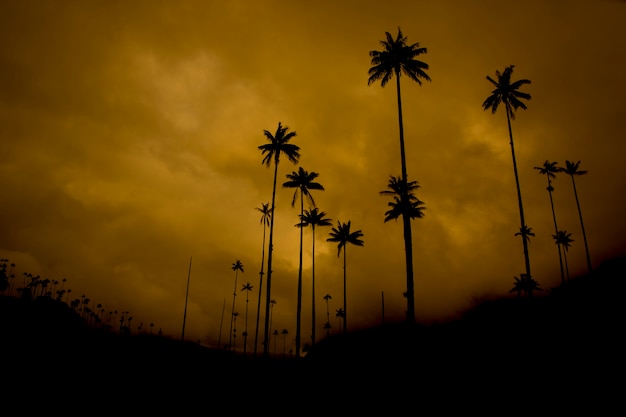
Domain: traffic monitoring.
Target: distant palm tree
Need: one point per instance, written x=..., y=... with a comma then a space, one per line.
x=303, y=182
x=342, y=235
x=247, y=287
x=327, y=327
x=275, y=333
x=564, y=239
x=235, y=315
x=278, y=144
x=525, y=232
x=396, y=58
x=340, y=312
x=237, y=266
x=572, y=170
x=272, y=302
x=219, y=339
x=507, y=92
x=265, y=221
x=549, y=169
x=313, y=218
x=284, y=332
x=525, y=285
x=327, y=298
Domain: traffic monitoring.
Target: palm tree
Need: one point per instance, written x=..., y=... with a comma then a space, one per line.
x=313, y=218
x=219, y=339
x=525, y=285
x=398, y=57
x=327, y=298
x=235, y=315
x=327, y=327
x=549, y=169
x=342, y=235
x=237, y=266
x=341, y=314
x=572, y=170
x=265, y=221
x=507, y=92
x=247, y=287
x=278, y=144
x=275, y=333
x=564, y=239
x=284, y=332
x=272, y=302
x=303, y=182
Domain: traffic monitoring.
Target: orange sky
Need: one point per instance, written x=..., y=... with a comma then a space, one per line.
x=130, y=131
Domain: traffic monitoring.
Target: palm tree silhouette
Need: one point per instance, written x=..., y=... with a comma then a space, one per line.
x=398, y=57
x=327, y=327
x=313, y=218
x=549, y=169
x=303, y=182
x=235, y=315
x=237, y=266
x=278, y=144
x=265, y=221
x=247, y=287
x=284, y=332
x=525, y=285
x=327, y=298
x=272, y=302
x=572, y=170
x=275, y=333
x=342, y=235
x=341, y=314
x=507, y=92
x=564, y=239
x=219, y=339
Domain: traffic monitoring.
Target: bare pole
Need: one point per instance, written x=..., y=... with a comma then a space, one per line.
x=182, y=337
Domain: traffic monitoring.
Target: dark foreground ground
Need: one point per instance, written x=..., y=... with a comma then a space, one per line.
x=559, y=353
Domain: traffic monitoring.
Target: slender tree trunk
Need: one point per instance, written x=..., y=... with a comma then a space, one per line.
x=219, y=339
x=258, y=308
x=270, y=250
x=519, y=196
x=406, y=219
x=556, y=230
x=299, y=306
x=313, y=288
x=582, y=226
x=232, y=313
x=345, y=308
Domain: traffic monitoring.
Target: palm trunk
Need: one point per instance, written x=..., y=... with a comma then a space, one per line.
x=270, y=250
x=556, y=230
x=406, y=219
x=345, y=308
x=258, y=308
x=313, y=288
x=299, y=306
x=519, y=195
x=232, y=314
x=582, y=226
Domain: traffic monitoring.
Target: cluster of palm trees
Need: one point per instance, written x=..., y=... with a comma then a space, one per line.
x=506, y=92
x=93, y=315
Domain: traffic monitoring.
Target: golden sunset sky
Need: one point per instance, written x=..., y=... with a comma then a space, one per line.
x=129, y=135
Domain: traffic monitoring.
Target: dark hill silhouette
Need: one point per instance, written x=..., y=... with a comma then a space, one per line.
x=564, y=345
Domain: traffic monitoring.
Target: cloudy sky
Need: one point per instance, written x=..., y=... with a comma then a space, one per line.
x=129, y=135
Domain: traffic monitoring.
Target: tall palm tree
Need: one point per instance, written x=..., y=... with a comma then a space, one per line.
x=507, y=92
x=398, y=57
x=564, y=239
x=237, y=266
x=342, y=235
x=549, y=169
x=272, y=303
x=278, y=144
x=327, y=298
x=313, y=218
x=219, y=339
x=265, y=221
x=247, y=287
x=327, y=327
x=275, y=333
x=303, y=182
x=235, y=315
x=572, y=170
